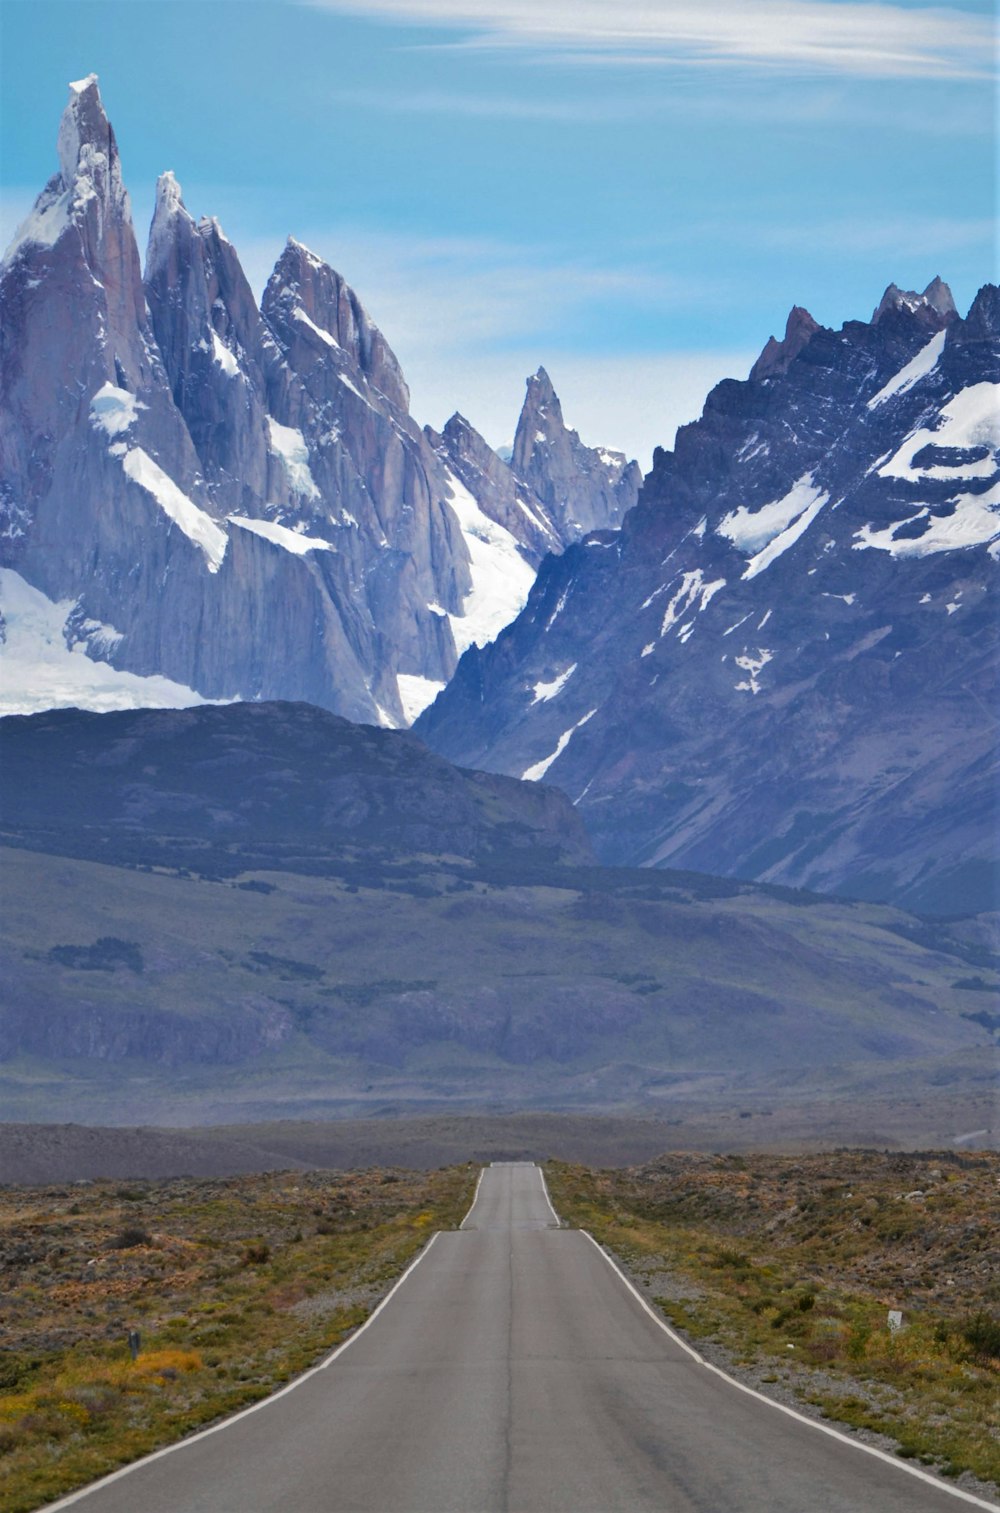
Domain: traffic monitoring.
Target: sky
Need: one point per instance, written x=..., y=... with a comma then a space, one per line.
x=630, y=192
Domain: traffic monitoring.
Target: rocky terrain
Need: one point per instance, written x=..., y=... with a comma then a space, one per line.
x=783, y=666
x=203, y=498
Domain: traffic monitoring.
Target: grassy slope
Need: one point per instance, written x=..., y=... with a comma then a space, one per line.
x=790, y=1267
x=235, y=1287
x=322, y=996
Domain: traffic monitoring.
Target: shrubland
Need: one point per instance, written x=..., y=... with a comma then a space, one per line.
x=786, y=1269
x=233, y=1286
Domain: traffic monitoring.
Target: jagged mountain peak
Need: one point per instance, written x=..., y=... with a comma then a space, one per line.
x=236, y=498
x=306, y=297
x=84, y=131
x=457, y=426
x=937, y=297
x=163, y=230
x=777, y=356
x=582, y=488
x=87, y=193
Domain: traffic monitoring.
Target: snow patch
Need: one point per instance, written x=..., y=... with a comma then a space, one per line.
x=348, y=384
x=290, y=445
x=300, y=315
x=280, y=535
x=542, y=525
x=971, y=419
x=753, y=667
x=44, y=224
x=560, y=606
x=752, y=530
x=537, y=772
x=200, y=528
x=501, y=578
x=917, y=368
x=222, y=355
x=546, y=691
x=787, y=538
x=113, y=410
x=40, y=670
x=693, y=588
x=975, y=522
x=416, y=693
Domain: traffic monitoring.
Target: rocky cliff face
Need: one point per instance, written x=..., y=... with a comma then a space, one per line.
x=783, y=666
x=584, y=488
x=553, y=489
x=236, y=499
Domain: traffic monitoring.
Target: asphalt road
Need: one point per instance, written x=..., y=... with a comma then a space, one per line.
x=514, y=1372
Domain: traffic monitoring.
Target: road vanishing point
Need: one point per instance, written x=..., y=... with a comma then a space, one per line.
x=513, y=1369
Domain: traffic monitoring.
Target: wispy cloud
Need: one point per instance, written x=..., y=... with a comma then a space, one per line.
x=865, y=236
x=438, y=294
x=877, y=40
x=489, y=107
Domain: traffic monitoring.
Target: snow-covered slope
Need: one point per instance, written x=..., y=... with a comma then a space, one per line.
x=784, y=665
x=50, y=658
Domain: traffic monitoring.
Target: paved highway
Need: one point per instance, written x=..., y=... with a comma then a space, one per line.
x=514, y=1371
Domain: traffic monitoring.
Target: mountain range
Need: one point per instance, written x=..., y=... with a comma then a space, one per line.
x=784, y=664
x=227, y=500
x=773, y=658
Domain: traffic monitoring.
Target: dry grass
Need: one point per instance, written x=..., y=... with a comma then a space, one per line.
x=235, y=1286
x=792, y=1265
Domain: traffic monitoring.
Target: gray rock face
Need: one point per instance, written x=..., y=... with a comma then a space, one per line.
x=582, y=488
x=937, y=297
x=500, y=494
x=237, y=498
x=552, y=489
x=778, y=356
x=783, y=666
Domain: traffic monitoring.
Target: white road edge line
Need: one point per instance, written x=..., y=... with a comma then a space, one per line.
x=545, y=1190
x=475, y=1197
x=856, y=1444
x=105, y=1481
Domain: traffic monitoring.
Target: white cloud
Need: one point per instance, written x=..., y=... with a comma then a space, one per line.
x=442, y=293
x=875, y=40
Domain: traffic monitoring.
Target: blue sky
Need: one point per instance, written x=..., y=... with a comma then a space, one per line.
x=632, y=192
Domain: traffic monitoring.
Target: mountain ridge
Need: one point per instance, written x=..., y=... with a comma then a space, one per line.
x=782, y=666
x=231, y=496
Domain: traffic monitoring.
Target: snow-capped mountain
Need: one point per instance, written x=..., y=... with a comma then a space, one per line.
x=225, y=501
x=784, y=665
